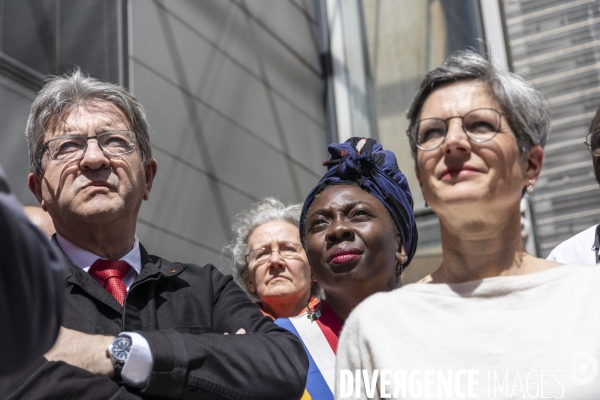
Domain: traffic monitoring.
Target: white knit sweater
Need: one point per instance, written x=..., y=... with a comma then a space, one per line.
x=528, y=336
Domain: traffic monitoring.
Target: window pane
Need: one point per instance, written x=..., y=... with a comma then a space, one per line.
x=406, y=39
x=88, y=40
x=29, y=32
x=53, y=36
x=556, y=45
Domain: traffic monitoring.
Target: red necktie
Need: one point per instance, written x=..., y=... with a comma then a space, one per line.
x=110, y=274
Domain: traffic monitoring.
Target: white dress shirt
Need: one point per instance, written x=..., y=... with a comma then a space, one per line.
x=138, y=365
x=579, y=249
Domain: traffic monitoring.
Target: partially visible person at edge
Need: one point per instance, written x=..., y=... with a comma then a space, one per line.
x=491, y=312
x=269, y=260
x=358, y=229
x=583, y=248
x=31, y=287
x=134, y=325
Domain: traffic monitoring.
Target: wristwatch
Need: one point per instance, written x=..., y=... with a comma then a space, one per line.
x=118, y=351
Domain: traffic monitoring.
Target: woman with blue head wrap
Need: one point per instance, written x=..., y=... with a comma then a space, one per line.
x=358, y=229
x=362, y=162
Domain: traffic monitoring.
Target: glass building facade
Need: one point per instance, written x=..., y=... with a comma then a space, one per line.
x=556, y=46
x=405, y=39
x=233, y=92
x=553, y=44
x=244, y=96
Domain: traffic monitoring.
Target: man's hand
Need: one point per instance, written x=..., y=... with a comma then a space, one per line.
x=83, y=350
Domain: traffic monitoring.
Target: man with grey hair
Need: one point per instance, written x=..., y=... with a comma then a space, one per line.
x=134, y=325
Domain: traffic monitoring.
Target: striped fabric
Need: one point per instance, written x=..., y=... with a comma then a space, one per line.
x=320, y=340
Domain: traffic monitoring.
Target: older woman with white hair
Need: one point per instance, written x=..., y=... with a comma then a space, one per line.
x=492, y=320
x=269, y=259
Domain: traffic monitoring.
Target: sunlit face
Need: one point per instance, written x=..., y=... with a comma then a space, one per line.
x=95, y=189
x=350, y=238
x=278, y=277
x=460, y=171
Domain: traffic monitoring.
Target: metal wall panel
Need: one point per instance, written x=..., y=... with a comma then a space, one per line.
x=53, y=36
x=233, y=91
x=15, y=101
x=556, y=45
x=234, y=95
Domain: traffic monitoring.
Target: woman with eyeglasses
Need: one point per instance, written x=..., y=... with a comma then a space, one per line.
x=358, y=229
x=492, y=321
x=269, y=260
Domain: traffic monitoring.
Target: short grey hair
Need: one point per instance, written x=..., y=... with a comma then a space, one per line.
x=245, y=223
x=525, y=107
x=62, y=94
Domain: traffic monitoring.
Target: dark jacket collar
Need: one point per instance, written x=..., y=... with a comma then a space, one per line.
x=153, y=267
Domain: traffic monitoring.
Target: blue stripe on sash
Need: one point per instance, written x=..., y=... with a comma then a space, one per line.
x=315, y=384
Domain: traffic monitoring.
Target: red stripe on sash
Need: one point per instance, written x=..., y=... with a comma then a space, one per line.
x=331, y=326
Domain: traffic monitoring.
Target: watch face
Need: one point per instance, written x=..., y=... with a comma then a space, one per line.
x=121, y=348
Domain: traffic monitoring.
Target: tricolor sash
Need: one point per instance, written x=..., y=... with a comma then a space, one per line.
x=320, y=340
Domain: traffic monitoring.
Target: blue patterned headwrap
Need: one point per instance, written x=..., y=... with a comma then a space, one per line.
x=376, y=172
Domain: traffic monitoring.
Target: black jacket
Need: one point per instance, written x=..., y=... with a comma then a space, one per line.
x=31, y=280
x=183, y=310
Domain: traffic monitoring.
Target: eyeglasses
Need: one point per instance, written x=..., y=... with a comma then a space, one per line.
x=592, y=141
x=262, y=255
x=73, y=147
x=480, y=125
